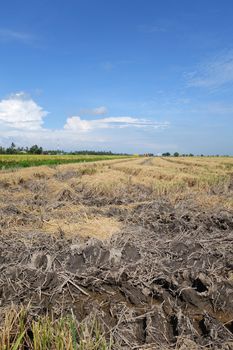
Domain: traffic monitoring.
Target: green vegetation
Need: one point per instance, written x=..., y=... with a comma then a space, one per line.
x=25, y=160
x=39, y=150
x=23, y=157
x=19, y=331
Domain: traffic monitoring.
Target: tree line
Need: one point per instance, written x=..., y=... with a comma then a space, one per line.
x=35, y=149
x=176, y=154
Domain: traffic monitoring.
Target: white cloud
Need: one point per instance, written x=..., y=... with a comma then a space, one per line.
x=83, y=125
x=77, y=124
x=21, y=112
x=214, y=73
x=95, y=111
x=11, y=35
x=21, y=121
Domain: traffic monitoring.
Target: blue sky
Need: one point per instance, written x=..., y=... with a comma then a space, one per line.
x=126, y=75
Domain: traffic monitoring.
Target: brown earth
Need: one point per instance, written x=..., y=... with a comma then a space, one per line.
x=156, y=270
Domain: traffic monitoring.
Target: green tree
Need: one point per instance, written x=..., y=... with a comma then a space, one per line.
x=36, y=150
x=12, y=149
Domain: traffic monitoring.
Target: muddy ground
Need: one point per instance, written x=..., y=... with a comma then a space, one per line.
x=167, y=277
x=164, y=280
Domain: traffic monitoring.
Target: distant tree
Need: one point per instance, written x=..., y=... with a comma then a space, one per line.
x=2, y=150
x=176, y=154
x=36, y=150
x=191, y=155
x=12, y=149
x=166, y=154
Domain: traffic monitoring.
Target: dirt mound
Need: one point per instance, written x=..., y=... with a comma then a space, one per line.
x=166, y=280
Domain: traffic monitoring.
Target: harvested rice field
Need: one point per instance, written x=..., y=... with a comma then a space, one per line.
x=118, y=254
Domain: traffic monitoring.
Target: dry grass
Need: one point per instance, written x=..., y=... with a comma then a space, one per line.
x=74, y=198
x=98, y=227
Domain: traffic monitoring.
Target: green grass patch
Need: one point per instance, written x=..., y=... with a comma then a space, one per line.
x=20, y=331
x=24, y=161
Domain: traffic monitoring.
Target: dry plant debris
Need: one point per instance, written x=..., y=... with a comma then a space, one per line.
x=144, y=246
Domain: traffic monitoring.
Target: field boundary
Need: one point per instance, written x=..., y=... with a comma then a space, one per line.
x=25, y=161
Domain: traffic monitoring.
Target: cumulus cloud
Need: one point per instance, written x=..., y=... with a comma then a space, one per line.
x=83, y=125
x=21, y=112
x=95, y=111
x=214, y=73
x=21, y=121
